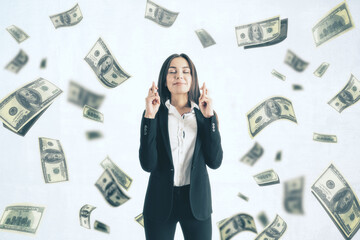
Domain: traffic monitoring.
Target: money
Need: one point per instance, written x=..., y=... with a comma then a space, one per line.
x=91, y=135
x=53, y=160
x=120, y=177
x=93, y=114
x=80, y=96
x=274, y=231
x=21, y=218
x=278, y=156
x=348, y=96
x=18, y=62
x=278, y=75
x=105, y=66
x=259, y=32
x=84, y=215
x=293, y=201
x=263, y=219
x=333, y=24
x=102, y=227
x=243, y=197
x=24, y=104
x=110, y=190
x=68, y=18
x=295, y=62
x=297, y=87
x=324, y=138
x=321, y=69
x=268, y=111
x=265, y=178
x=140, y=219
x=43, y=63
x=251, y=157
x=205, y=38
x=339, y=201
x=280, y=38
x=18, y=34
x=235, y=224
x=159, y=14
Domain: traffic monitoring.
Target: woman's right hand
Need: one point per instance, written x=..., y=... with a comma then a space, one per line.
x=152, y=102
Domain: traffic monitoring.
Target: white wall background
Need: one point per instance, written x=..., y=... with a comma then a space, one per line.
x=237, y=79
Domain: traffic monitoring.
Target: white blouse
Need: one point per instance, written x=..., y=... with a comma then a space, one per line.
x=182, y=134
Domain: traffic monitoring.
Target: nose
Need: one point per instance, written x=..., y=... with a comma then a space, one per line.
x=179, y=75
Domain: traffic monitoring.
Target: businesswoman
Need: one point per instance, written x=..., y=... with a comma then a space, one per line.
x=179, y=138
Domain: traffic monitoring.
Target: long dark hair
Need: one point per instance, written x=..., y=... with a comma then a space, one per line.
x=194, y=92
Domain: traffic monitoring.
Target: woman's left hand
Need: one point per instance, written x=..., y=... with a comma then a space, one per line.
x=205, y=103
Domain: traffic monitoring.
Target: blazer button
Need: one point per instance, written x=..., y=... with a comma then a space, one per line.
x=172, y=169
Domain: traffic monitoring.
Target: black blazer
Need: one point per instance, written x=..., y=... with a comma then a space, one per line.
x=155, y=157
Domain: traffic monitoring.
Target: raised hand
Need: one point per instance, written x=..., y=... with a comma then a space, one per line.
x=205, y=102
x=152, y=102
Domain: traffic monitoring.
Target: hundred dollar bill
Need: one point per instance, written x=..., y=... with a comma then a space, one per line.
x=295, y=62
x=18, y=62
x=278, y=75
x=205, y=38
x=268, y=111
x=18, y=34
x=235, y=224
x=348, y=96
x=93, y=114
x=24, y=104
x=324, y=138
x=297, y=87
x=251, y=157
x=278, y=156
x=259, y=32
x=274, y=231
x=321, y=69
x=102, y=227
x=84, y=215
x=263, y=219
x=91, y=135
x=110, y=190
x=105, y=66
x=240, y=195
x=68, y=18
x=265, y=178
x=81, y=96
x=280, y=38
x=159, y=14
x=43, y=63
x=120, y=177
x=140, y=219
x=53, y=160
x=333, y=24
x=21, y=218
x=339, y=201
x=293, y=201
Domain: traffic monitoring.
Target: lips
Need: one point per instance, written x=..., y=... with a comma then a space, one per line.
x=179, y=83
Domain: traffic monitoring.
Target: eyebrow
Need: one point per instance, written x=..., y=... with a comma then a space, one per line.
x=175, y=67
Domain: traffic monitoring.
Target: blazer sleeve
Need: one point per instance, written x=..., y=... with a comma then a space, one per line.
x=212, y=142
x=148, y=150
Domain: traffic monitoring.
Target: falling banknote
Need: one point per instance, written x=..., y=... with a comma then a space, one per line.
x=110, y=190
x=140, y=219
x=205, y=38
x=18, y=34
x=105, y=66
x=120, y=176
x=160, y=15
x=53, y=160
x=295, y=62
x=235, y=224
x=84, y=215
x=339, y=201
x=293, y=190
x=19, y=108
x=23, y=218
x=321, y=69
x=267, y=177
x=348, y=96
x=324, y=138
x=68, y=18
x=80, y=96
x=93, y=114
x=18, y=62
x=102, y=227
x=268, y=111
x=335, y=23
x=274, y=231
x=251, y=157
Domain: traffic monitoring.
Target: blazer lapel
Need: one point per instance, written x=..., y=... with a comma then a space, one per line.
x=164, y=128
x=199, y=120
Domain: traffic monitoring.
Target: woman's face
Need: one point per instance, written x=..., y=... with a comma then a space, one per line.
x=178, y=79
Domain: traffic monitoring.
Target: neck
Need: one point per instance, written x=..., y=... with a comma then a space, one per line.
x=179, y=100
